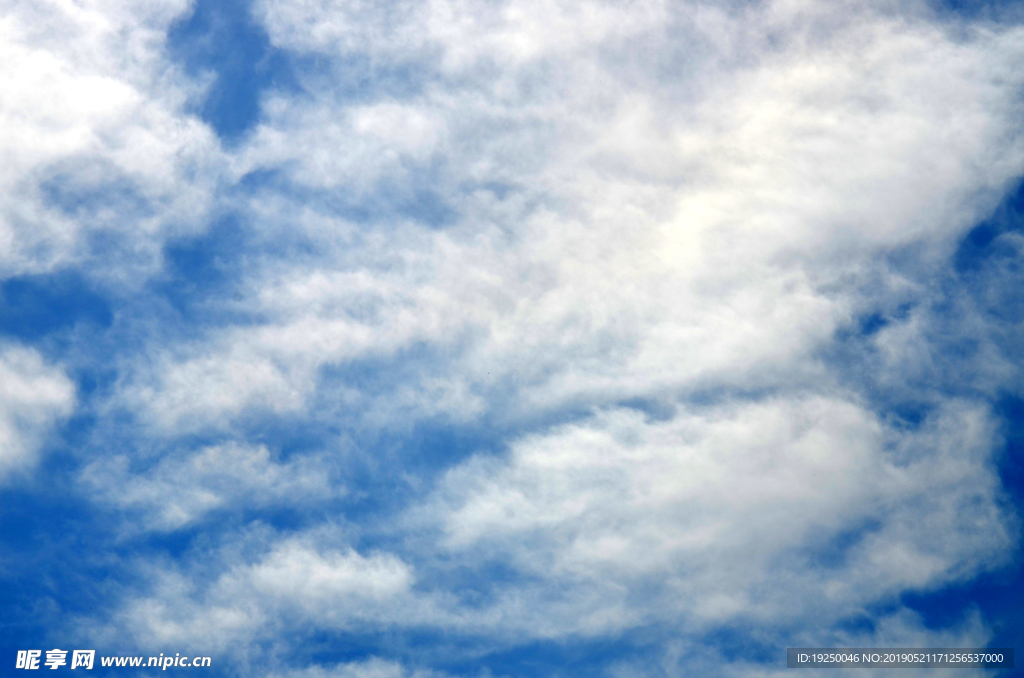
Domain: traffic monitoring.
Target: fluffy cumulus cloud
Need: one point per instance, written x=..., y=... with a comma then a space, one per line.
x=536, y=325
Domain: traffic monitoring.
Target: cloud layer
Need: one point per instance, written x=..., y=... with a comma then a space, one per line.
x=519, y=323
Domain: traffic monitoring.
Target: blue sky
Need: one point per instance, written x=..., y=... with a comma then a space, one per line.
x=355, y=339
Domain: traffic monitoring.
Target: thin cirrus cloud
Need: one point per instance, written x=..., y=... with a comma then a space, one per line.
x=508, y=332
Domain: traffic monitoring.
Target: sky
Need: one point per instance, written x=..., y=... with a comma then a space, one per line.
x=508, y=338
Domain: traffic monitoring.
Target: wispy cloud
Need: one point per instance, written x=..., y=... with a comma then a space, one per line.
x=181, y=488
x=33, y=397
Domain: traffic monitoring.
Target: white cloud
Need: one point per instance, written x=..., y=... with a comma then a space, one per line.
x=95, y=141
x=791, y=513
x=780, y=511
x=676, y=207
x=616, y=229
x=263, y=584
x=33, y=397
x=181, y=488
x=299, y=574
x=464, y=32
x=903, y=628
